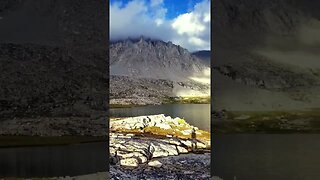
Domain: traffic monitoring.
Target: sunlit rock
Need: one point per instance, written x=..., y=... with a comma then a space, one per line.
x=163, y=126
x=131, y=162
x=182, y=150
x=200, y=145
x=155, y=163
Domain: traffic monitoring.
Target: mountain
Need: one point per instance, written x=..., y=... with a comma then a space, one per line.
x=266, y=55
x=153, y=59
x=204, y=55
x=150, y=70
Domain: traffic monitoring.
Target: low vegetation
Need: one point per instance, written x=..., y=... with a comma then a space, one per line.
x=187, y=100
x=269, y=122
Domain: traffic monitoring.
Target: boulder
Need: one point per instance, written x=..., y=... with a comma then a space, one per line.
x=155, y=163
x=182, y=150
x=160, y=153
x=171, y=149
x=112, y=151
x=163, y=126
x=200, y=145
x=130, y=162
x=139, y=125
x=142, y=159
x=163, y=150
x=187, y=143
x=172, y=141
x=125, y=154
x=186, y=132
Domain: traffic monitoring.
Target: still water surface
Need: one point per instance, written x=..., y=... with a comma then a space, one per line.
x=49, y=161
x=236, y=156
x=266, y=156
x=195, y=114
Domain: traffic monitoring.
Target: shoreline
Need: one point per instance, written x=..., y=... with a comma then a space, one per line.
x=96, y=176
x=11, y=141
x=266, y=122
x=163, y=101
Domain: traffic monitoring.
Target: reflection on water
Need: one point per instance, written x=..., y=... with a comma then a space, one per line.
x=53, y=160
x=266, y=156
x=195, y=114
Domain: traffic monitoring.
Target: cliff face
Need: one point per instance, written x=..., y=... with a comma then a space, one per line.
x=265, y=54
x=153, y=59
x=53, y=58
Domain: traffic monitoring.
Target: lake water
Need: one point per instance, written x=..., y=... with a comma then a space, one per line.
x=195, y=114
x=244, y=156
x=266, y=156
x=53, y=160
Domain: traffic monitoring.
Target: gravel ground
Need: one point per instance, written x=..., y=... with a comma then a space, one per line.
x=186, y=166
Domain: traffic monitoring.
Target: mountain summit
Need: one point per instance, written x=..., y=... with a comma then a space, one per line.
x=155, y=59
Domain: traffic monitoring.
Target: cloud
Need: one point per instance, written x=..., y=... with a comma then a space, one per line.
x=138, y=17
x=194, y=27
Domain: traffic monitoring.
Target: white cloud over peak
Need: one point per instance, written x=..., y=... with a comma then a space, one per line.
x=194, y=27
x=135, y=19
x=138, y=17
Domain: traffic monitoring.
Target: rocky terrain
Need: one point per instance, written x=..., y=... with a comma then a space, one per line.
x=125, y=90
x=55, y=69
x=265, y=55
x=145, y=71
x=186, y=166
x=158, y=147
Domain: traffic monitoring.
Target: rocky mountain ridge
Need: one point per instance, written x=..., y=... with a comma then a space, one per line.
x=155, y=59
x=204, y=55
x=153, y=70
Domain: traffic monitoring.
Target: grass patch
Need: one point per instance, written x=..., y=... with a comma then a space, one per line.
x=187, y=100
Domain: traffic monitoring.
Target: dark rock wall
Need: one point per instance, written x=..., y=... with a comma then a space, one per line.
x=53, y=58
x=265, y=54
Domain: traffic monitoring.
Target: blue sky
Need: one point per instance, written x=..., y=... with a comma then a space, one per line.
x=184, y=22
x=175, y=7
